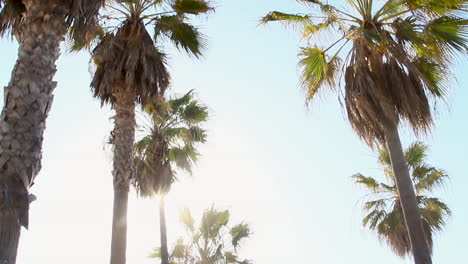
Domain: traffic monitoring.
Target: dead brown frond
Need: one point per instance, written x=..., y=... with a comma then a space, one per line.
x=131, y=57
x=383, y=86
x=157, y=177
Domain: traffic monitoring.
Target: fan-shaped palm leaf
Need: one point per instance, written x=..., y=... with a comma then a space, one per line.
x=383, y=212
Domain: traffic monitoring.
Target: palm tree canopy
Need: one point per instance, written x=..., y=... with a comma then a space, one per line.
x=80, y=15
x=212, y=241
x=128, y=56
x=393, y=57
x=383, y=212
x=170, y=141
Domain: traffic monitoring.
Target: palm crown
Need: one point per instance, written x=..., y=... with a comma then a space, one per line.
x=393, y=57
x=128, y=55
x=80, y=15
x=170, y=142
x=383, y=211
x=212, y=241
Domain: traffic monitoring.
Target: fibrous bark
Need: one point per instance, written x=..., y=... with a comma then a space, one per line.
x=124, y=135
x=419, y=243
x=28, y=99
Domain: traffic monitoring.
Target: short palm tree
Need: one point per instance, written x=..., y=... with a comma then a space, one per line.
x=130, y=70
x=40, y=27
x=394, y=58
x=169, y=145
x=383, y=210
x=212, y=241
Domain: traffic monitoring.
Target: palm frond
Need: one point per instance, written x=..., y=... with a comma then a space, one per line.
x=415, y=154
x=316, y=70
x=297, y=21
x=184, y=35
x=368, y=182
x=238, y=233
x=187, y=219
x=194, y=7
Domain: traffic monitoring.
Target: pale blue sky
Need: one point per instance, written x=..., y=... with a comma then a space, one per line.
x=281, y=168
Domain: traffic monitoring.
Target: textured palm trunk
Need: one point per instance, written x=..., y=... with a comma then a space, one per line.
x=409, y=203
x=163, y=230
x=28, y=98
x=124, y=136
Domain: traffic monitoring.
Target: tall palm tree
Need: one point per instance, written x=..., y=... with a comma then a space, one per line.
x=130, y=69
x=170, y=144
x=396, y=55
x=212, y=241
x=383, y=210
x=40, y=27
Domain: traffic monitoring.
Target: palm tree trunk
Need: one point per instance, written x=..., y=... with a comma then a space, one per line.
x=9, y=236
x=124, y=135
x=28, y=99
x=409, y=203
x=163, y=230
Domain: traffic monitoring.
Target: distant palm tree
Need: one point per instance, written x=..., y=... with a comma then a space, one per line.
x=213, y=241
x=396, y=57
x=383, y=210
x=40, y=27
x=130, y=69
x=169, y=144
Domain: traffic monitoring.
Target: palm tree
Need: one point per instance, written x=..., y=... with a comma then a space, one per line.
x=211, y=242
x=174, y=131
x=130, y=69
x=396, y=55
x=40, y=27
x=383, y=211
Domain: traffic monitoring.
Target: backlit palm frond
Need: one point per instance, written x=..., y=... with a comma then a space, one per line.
x=184, y=35
x=384, y=214
x=428, y=178
x=170, y=142
x=317, y=71
x=298, y=21
x=435, y=7
x=212, y=222
x=373, y=218
x=195, y=113
x=238, y=233
x=211, y=240
x=415, y=154
x=187, y=219
x=434, y=213
x=194, y=7
x=392, y=230
x=447, y=36
x=368, y=182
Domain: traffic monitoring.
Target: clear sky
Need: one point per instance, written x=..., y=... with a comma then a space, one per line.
x=278, y=166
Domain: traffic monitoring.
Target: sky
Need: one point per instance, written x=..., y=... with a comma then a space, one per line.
x=274, y=163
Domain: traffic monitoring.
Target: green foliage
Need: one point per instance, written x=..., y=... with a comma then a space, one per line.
x=192, y=7
x=169, y=143
x=182, y=34
x=127, y=54
x=393, y=55
x=212, y=241
x=383, y=212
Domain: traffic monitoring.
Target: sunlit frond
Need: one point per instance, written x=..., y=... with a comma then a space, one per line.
x=316, y=70
x=297, y=21
x=194, y=7
x=238, y=233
